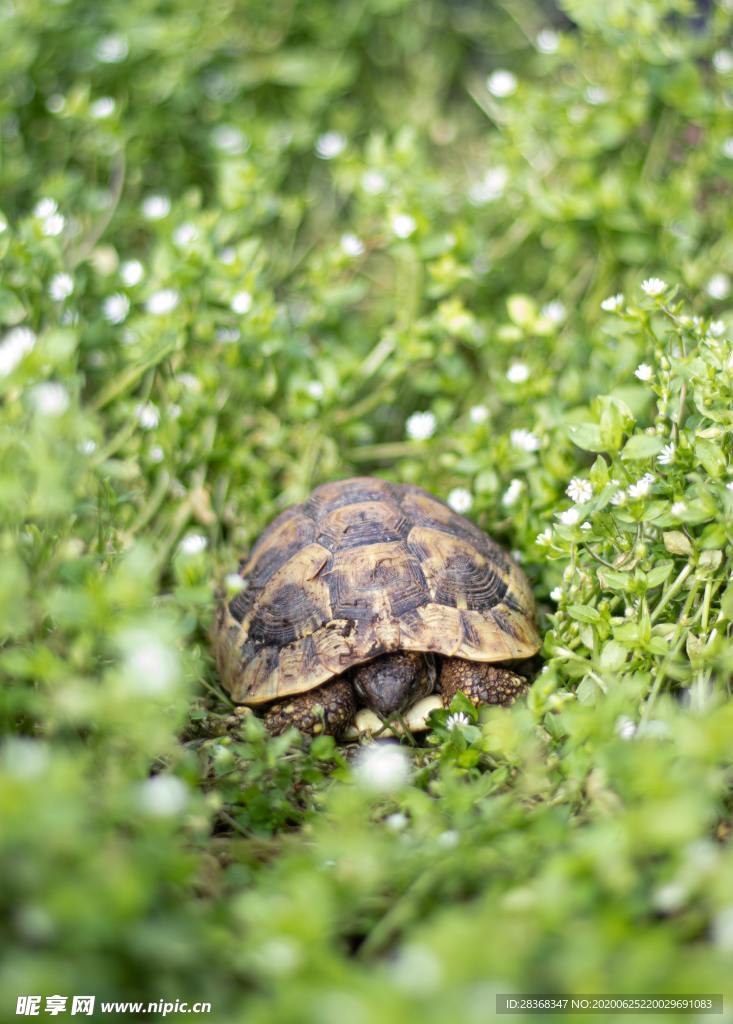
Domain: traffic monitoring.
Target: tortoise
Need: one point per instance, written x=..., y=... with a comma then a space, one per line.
x=378, y=596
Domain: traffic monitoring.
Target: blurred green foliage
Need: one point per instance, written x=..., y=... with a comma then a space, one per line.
x=248, y=247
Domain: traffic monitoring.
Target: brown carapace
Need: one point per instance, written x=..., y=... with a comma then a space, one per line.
x=362, y=569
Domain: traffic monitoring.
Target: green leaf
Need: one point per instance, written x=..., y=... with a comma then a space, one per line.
x=710, y=456
x=642, y=446
x=586, y=436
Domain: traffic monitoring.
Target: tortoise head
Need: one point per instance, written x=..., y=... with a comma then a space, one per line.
x=393, y=682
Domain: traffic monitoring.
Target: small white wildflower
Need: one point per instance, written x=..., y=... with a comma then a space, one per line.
x=132, y=272
x=586, y=525
x=613, y=302
x=556, y=594
x=525, y=440
x=449, y=839
x=403, y=225
x=115, y=308
x=330, y=145
x=50, y=398
x=512, y=492
x=501, y=83
x=619, y=498
x=596, y=95
x=727, y=148
x=156, y=454
x=460, y=500
x=241, y=303
x=554, y=311
x=55, y=103
x=478, y=414
x=580, y=491
x=150, y=666
x=718, y=287
x=189, y=381
x=547, y=41
x=45, y=207
x=227, y=255
x=111, y=49
x=163, y=796
x=373, y=182
x=352, y=245
x=162, y=302
x=156, y=207
x=489, y=187
x=185, y=234
x=569, y=517
x=315, y=389
x=229, y=139
x=729, y=485
x=517, y=373
x=457, y=720
x=102, y=108
x=653, y=286
x=382, y=768
x=723, y=61
x=88, y=447
x=666, y=455
x=421, y=425
x=234, y=583
x=16, y=344
x=53, y=225
x=396, y=822
x=625, y=727
x=193, y=544
x=653, y=729
x=642, y=487
x=717, y=328
x=644, y=372
x=148, y=415
x=678, y=508
x=228, y=335
x=61, y=287
x=544, y=538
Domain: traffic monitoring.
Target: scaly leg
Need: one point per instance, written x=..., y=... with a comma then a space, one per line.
x=481, y=683
x=328, y=709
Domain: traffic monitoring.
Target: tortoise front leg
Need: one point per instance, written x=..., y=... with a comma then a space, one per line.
x=328, y=709
x=481, y=683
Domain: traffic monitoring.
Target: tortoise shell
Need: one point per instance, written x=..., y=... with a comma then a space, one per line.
x=363, y=568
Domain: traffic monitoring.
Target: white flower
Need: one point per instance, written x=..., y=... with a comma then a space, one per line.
x=619, y=498
x=580, y=491
x=162, y=302
x=373, y=182
x=352, y=245
x=556, y=594
x=330, y=145
x=163, y=796
x=156, y=454
x=569, y=517
x=403, y=225
x=718, y=286
x=53, y=225
x=644, y=372
x=234, y=583
x=554, y=311
x=666, y=455
x=315, y=389
x=227, y=138
x=501, y=83
x=449, y=838
x=111, y=49
x=625, y=727
x=396, y=822
x=544, y=538
x=148, y=415
x=547, y=40
x=653, y=286
x=489, y=187
x=723, y=61
x=517, y=373
x=16, y=344
x=185, y=234
x=88, y=447
x=717, y=328
x=727, y=148
x=193, y=544
x=678, y=508
x=596, y=95
x=150, y=665
x=156, y=207
x=50, y=398
x=729, y=485
x=512, y=492
x=586, y=525
x=61, y=287
x=613, y=302
x=460, y=500
x=382, y=768
x=228, y=335
x=642, y=487
x=55, y=103
x=45, y=207
x=115, y=308
x=525, y=440
x=132, y=272
x=103, y=107
x=228, y=255
x=241, y=303
x=478, y=414
x=421, y=425
x=457, y=720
